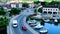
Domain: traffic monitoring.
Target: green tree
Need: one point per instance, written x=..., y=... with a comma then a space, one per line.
x=40, y=10
x=36, y=2
x=25, y=5
x=54, y=2
x=4, y=21
x=46, y=3
x=2, y=12
x=14, y=11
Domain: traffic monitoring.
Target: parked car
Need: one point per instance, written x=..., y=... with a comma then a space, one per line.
x=24, y=28
x=14, y=24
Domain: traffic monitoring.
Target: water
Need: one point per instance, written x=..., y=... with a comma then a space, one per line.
x=52, y=29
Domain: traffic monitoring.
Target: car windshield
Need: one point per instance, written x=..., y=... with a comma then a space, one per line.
x=14, y=24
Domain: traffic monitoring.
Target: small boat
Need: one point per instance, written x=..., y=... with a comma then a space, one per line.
x=33, y=20
x=55, y=20
x=47, y=20
x=38, y=27
x=44, y=31
x=32, y=24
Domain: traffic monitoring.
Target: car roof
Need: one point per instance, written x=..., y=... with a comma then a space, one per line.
x=14, y=21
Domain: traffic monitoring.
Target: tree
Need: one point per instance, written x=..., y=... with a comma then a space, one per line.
x=25, y=5
x=52, y=3
x=2, y=12
x=46, y=3
x=40, y=10
x=14, y=11
x=36, y=2
x=4, y=21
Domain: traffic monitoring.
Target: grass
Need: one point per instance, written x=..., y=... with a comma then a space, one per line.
x=3, y=0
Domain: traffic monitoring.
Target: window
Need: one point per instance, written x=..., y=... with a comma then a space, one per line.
x=54, y=16
x=48, y=9
x=54, y=12
x=43, y=9
x=51, y=9
x=45, y=12
x=56, y=9
x=50, y=12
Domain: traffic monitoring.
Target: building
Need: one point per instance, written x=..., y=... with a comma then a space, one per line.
x=31, y=4
x=51, y=11
x=13, y=4
x=19, y=4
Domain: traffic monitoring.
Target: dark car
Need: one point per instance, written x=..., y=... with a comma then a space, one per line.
x=24, y=28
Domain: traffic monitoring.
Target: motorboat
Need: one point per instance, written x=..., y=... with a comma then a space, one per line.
x=29, y=22
x=55, y=20
x=44, y=31
x=32, y=24
x=46, y=20
x=38, y=27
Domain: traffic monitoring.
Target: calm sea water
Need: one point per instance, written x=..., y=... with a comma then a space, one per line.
x=52, y=29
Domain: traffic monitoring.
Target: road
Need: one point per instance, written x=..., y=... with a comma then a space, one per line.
x=20, y=19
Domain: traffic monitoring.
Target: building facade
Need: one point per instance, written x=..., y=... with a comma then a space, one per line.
x=14, y=4
x=51, y=11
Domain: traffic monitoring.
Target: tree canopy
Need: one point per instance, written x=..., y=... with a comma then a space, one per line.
x=14, y=11
x=2, y=12
x=52, y=3
x=25, y=5
x=40, y=10
x=36, y=2
x=4, y=21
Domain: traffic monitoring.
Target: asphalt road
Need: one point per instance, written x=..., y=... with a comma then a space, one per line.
x=20, y=19
x=19, y=30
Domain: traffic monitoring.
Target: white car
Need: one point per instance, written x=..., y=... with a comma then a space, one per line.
x=14, y=24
